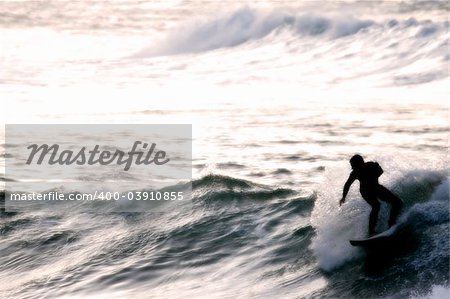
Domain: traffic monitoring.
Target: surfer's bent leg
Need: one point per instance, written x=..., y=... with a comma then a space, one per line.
x=395, y=202
x=375, y=204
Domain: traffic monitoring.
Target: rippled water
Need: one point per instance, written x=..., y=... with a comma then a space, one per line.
x=280, y=96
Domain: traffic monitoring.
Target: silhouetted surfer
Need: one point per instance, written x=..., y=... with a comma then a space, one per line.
x=368, y=173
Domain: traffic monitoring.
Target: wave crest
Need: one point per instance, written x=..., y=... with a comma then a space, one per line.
x=216, y=188
x=245, y=25
x=425, y=194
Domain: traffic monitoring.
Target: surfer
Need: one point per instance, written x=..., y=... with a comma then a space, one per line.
x=368, y=173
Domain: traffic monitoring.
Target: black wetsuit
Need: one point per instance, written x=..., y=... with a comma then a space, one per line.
x=371, y=191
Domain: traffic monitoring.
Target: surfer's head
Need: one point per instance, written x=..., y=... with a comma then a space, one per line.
x=356, y=161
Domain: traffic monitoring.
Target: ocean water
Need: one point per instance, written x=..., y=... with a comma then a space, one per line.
x=280, y=94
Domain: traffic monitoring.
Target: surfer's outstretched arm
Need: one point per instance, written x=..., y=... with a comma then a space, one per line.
x=350, y=180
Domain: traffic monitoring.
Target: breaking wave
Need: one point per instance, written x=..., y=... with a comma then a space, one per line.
x=426, y=198
x=246, y=24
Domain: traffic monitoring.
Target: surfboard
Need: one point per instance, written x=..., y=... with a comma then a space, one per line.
x=376, y=240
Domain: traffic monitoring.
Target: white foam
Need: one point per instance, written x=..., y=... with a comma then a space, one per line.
x=245, y=24
x=433, y=211
x=335, y=225
x=438, y=292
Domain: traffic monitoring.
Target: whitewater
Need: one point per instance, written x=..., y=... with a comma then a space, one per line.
x=280, y=95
